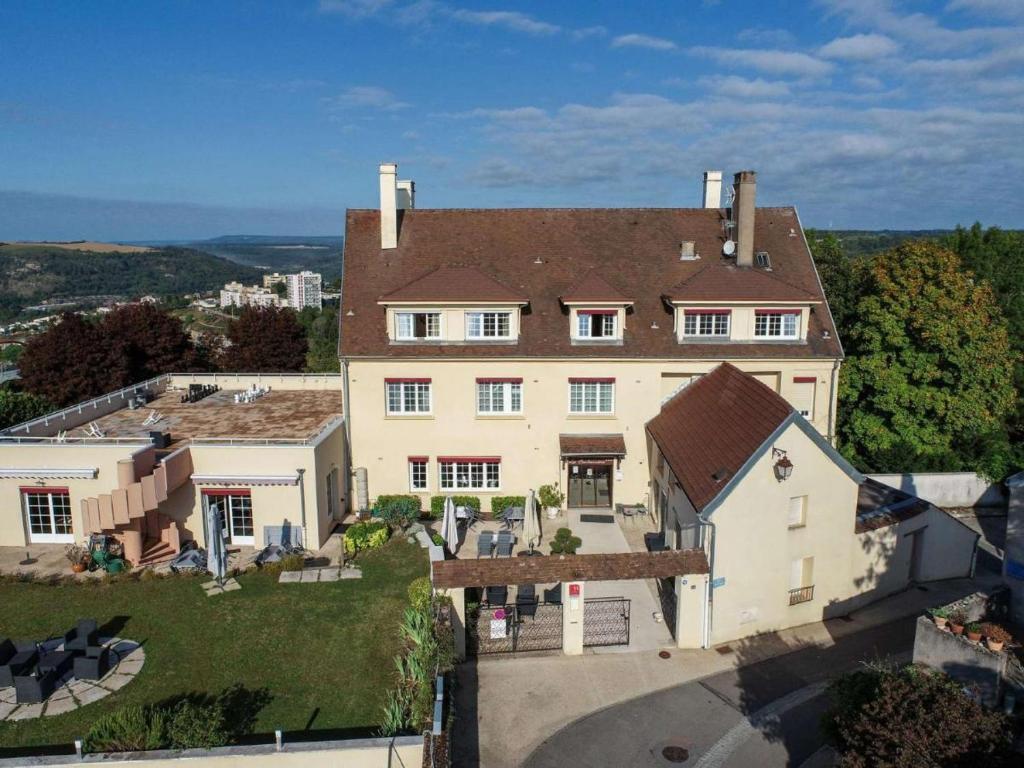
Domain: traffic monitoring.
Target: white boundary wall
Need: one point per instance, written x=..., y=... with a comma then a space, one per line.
x=948, y=489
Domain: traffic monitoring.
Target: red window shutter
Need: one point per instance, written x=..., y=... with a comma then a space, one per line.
x=805, y=379
x=707, y=311
x=597, y=311
x=227, y=491
x=470, y=459
x=513, y=380
x=776, y=311
x=406, y=381
x=585, y=380
x=419, y=458
x=40, y=489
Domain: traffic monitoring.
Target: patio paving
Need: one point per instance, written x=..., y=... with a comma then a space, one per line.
x=70, y=694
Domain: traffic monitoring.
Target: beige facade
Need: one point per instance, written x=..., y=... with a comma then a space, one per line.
x=527, y=443
x=47, y=469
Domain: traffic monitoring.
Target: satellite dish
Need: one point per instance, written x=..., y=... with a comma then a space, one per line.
x=729, y=248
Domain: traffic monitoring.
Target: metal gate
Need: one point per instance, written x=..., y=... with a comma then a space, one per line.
x=605, y=621
x=516, y=628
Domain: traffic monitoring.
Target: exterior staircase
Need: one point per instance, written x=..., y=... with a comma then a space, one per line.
x=155, y=551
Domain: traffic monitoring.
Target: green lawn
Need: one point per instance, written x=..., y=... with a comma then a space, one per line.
x=323, y=652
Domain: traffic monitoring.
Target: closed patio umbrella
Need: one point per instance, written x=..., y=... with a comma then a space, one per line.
x=216, y=552
x=531, y=525
x=450, y=526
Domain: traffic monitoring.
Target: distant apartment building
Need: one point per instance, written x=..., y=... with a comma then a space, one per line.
x=304, y=290
x=235, y=294
x=269, y=281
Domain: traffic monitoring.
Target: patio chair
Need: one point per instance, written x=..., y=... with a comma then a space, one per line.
x=7, y=650
x=57, y=662
x=94, y=665
x=526, y=600
x=626, y=511
x=36, y=688
x=21, y=663
x=82, y=636
x=497, y=596
x=506, y=540
x=553, y=595
x=485, y=544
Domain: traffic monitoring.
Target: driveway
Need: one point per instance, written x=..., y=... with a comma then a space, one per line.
x=763, y=714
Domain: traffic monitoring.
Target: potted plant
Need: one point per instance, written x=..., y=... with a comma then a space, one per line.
x=940, y=616
x=995, y=636
x=957, y=619
x=78, y=556
x=973, y=631
x=551, y=499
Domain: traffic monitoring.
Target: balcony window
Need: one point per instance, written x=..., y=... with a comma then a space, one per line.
x=597, y=324
x=499, y=396
x=468, y=474
x=416, y=326
x=776, y=324
x=408, y=396
x=708, y=323
x=591, y=396
x=488, y=325
x=801, y=580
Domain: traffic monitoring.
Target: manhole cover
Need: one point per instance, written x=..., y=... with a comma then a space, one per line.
x=675, y=754
x=664, y=655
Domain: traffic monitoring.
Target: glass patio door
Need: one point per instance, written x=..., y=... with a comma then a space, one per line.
x=235, y=510
x=48, y=515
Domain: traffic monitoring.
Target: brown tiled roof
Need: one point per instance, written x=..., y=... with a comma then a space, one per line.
x=637, y=248
x=593, y=287
x=547, y=569
x=727, y=282
x=880, y=505
x=451, y=283
x=592, y=445
x=710, y=429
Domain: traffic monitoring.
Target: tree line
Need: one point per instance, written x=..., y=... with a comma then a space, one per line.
x=81, y=357
x=933, y=332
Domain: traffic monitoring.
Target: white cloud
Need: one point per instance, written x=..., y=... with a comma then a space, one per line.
x=635, y=40
x=777, y=38
x=514, y=20
x=356, y=9
x=859, y=48
x=364, y=97
x=867, y=82
x=1010, y=9
x=767, y=60
x=742, y=88
x=585, y=32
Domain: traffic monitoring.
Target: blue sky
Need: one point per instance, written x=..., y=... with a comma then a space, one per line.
x=190, y=119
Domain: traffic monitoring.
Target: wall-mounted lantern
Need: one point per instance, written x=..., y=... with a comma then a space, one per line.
x=783, y=466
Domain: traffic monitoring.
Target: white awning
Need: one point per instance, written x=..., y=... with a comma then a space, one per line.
x=48, y=473
x=292, y=479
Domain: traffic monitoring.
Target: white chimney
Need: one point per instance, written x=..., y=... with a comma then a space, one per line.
x=388, y=205
x=406, y=195
x=743, y=207
x=712, y=189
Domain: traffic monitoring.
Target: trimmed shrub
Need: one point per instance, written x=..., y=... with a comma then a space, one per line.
x=372, y=534
x=565, y=543
x=500, y=503
x=437, y=504
x=191, y=725
x=398, y=511
x=420, y=593
x=132, y=728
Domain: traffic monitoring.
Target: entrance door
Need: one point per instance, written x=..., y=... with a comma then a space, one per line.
x=590, y=485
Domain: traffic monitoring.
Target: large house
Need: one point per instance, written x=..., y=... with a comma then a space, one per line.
x=494, y=350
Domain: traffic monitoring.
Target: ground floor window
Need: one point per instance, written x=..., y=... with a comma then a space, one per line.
x=469, y=474
x=235, y=508
x=48, y=515
x=418, y=473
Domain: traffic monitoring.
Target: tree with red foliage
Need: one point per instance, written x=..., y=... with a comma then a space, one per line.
x=146, y=341
x=265, y=340
x=67, y=363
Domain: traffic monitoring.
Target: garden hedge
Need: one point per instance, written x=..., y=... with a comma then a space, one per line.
x=437, y=504
x=500, y=503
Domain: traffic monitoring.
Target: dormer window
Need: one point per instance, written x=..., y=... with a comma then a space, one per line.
x=777, y=323
x=706, y=323
x=597, y=323
x=488, y=325
x=417, y=326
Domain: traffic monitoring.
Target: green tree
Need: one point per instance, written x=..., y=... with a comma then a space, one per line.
x=10, y=353
x=323, y=342
x=837, y=276
x=16, y=407
x=929, y=380
x=265, y=339
x=911, y=717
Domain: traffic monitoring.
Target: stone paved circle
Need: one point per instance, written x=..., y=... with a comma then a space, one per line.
x=70, y=694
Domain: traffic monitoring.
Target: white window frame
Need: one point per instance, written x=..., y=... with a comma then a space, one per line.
x=782, y=318
x=424, y=466
x=53, y=537
x=595, y=398
x=798, y=520
x=225, y=504
x=469, y=475
x=508, y=393
x=418, y=388
x=716, y=329
x=609, y=324
x=411, y=334
x=477, y=321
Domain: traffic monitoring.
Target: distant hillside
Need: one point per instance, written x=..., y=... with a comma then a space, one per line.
x=31, y=274
x=863, y=242
x=279, y=254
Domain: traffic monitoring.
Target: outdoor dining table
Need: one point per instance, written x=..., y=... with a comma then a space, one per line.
x=514, y=515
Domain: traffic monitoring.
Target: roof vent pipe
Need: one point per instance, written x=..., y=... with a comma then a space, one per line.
x=712, y=189
x=745, y=189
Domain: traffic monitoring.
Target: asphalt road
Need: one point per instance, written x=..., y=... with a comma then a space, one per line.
x=765, y=714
